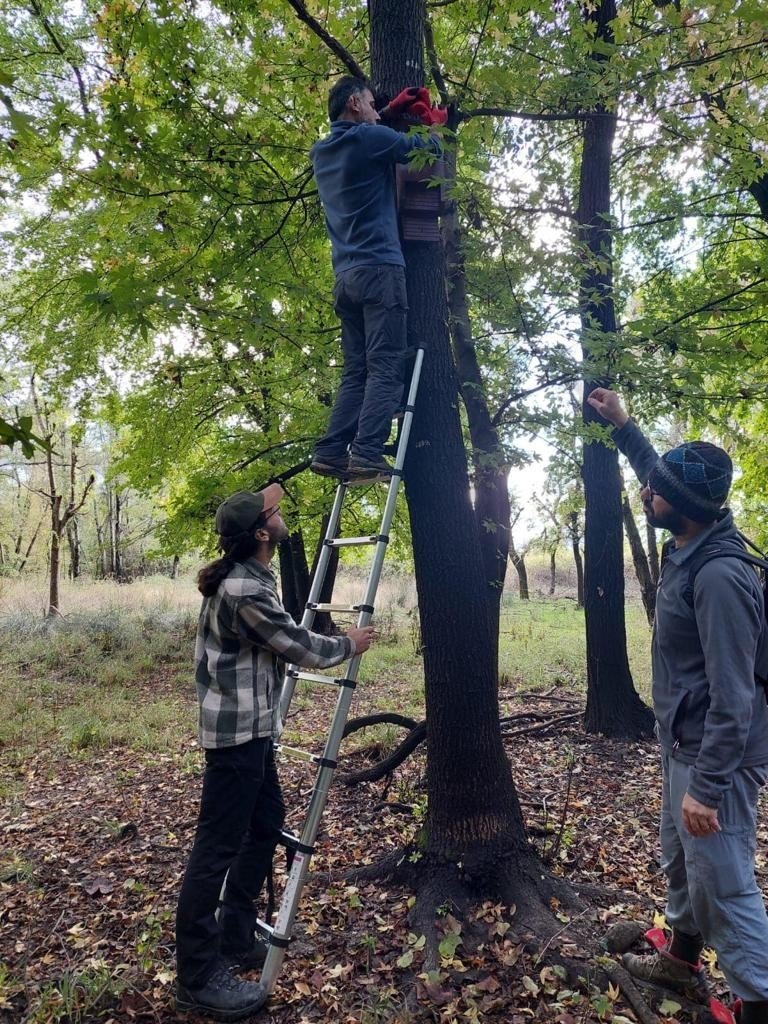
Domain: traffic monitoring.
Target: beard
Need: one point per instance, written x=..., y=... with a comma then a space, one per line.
x=671, y=521
x=277, y=533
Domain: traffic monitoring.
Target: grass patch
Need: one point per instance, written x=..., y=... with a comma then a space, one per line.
x=95, y=680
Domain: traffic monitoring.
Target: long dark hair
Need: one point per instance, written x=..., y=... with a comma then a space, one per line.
x=236, y=549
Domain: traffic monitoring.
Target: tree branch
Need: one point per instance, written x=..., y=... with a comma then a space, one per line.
x=524, y=115
x=333, y=44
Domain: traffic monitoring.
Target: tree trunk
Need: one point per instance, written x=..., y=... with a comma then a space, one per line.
x=552, y=571
x=55, y=559
x=323, y=622
x=639, y=560
x=73, y=539
x=117, y=546
x=613, y=705
x=653, y=552
x=294, y=574
x=518, y=561
x=578, y=561
x=474, y=818
x=490, y=467
x=174, y=573
x=31, y=544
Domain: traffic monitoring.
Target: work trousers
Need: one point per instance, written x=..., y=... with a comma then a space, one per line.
x=241, y=815
x=712, y=889
x=372, y=305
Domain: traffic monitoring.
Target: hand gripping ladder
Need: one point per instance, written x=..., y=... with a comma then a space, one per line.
x=302, y=846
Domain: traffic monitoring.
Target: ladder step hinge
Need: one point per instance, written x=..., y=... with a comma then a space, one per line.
x=293, y=842
x=281, y=941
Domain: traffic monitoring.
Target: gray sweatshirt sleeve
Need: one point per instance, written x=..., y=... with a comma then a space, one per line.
x=632, y=442
x=729, y=620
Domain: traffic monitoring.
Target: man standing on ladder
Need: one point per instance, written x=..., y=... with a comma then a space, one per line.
x=354, y=171
x=244, y=633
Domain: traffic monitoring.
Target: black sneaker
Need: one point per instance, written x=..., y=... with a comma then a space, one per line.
x=248, y=959
x=223, y=997
x=329, y=465
x=368, y=471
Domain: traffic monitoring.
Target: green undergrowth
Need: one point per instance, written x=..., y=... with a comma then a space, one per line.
x=542, y=644
x=116, y=678
x=95, y=680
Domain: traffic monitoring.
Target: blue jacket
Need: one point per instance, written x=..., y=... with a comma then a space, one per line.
x=710, y=712
x=354, y=174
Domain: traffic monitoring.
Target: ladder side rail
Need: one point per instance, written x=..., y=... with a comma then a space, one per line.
x=297, y=877
x=308, y=616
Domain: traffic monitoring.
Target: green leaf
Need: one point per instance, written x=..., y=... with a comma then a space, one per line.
x=668, y=1007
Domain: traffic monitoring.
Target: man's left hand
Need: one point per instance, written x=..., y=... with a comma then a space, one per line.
x=701, y=821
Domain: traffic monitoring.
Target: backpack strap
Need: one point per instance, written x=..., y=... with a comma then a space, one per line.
x=706, y=555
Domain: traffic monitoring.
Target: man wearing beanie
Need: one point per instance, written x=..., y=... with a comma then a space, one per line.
x=244, y=634
x=712, y=718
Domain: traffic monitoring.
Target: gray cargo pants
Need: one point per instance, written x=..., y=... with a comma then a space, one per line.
x=372, y=305
x=711, y=881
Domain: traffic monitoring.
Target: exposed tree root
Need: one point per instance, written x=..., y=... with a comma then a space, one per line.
x=418, y=732
x=622, y=979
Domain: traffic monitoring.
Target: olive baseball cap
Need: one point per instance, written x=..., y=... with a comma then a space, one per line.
x=241, y=510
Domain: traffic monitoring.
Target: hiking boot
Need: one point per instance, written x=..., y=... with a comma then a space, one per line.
x=368, y=471
x=329, y=465
x=223, y=997
x=246, y=959
x=661, y=969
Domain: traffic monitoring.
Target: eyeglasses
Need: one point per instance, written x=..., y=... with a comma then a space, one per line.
x=651, y=492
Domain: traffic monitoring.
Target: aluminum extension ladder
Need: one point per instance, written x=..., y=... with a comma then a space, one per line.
x=302, y=847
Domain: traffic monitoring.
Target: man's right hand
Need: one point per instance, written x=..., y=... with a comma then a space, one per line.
x=608, y=404
x=362, y=637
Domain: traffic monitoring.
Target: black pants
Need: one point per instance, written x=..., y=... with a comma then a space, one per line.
x=372, y=305
x=241, y=814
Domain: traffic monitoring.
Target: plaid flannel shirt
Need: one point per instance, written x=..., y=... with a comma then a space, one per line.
x=243, y=637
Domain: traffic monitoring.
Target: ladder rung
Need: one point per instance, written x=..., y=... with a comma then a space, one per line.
x=304, y=755
x=348, y=542
x=319, y=607
x=264, y=929
x=315, y=677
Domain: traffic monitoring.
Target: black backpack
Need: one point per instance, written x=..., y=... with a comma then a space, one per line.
x=758, y=561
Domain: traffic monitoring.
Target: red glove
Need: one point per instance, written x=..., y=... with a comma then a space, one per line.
x=439, y=115
x=421, y=110
x=403, y=101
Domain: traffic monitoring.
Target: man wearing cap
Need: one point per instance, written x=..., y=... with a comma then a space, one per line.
x=712, y=719
x=244, y=635
x=354, y=170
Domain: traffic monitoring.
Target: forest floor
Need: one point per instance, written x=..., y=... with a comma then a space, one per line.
x=99, y=783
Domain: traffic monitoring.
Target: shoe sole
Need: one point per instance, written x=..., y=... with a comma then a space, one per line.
x=321, y=469
x=188, y=1005
x=360, y=479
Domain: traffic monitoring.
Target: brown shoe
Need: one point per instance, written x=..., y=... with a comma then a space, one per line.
x=368, y=471
x=660, y=969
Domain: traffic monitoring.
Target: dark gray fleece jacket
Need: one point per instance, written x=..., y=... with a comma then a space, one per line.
x=710, y=712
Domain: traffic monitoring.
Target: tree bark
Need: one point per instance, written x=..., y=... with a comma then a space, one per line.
x=323, y=622
x=613, y=705
x=653, y=552
x=639, y=560
x=489, y=465
x=518, y=560
x=573, y=530
x=73, y=539
x=552, y=571
x=294, y=574
x=474, y=818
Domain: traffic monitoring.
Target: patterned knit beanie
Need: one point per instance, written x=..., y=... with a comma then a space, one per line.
x=694, y=478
